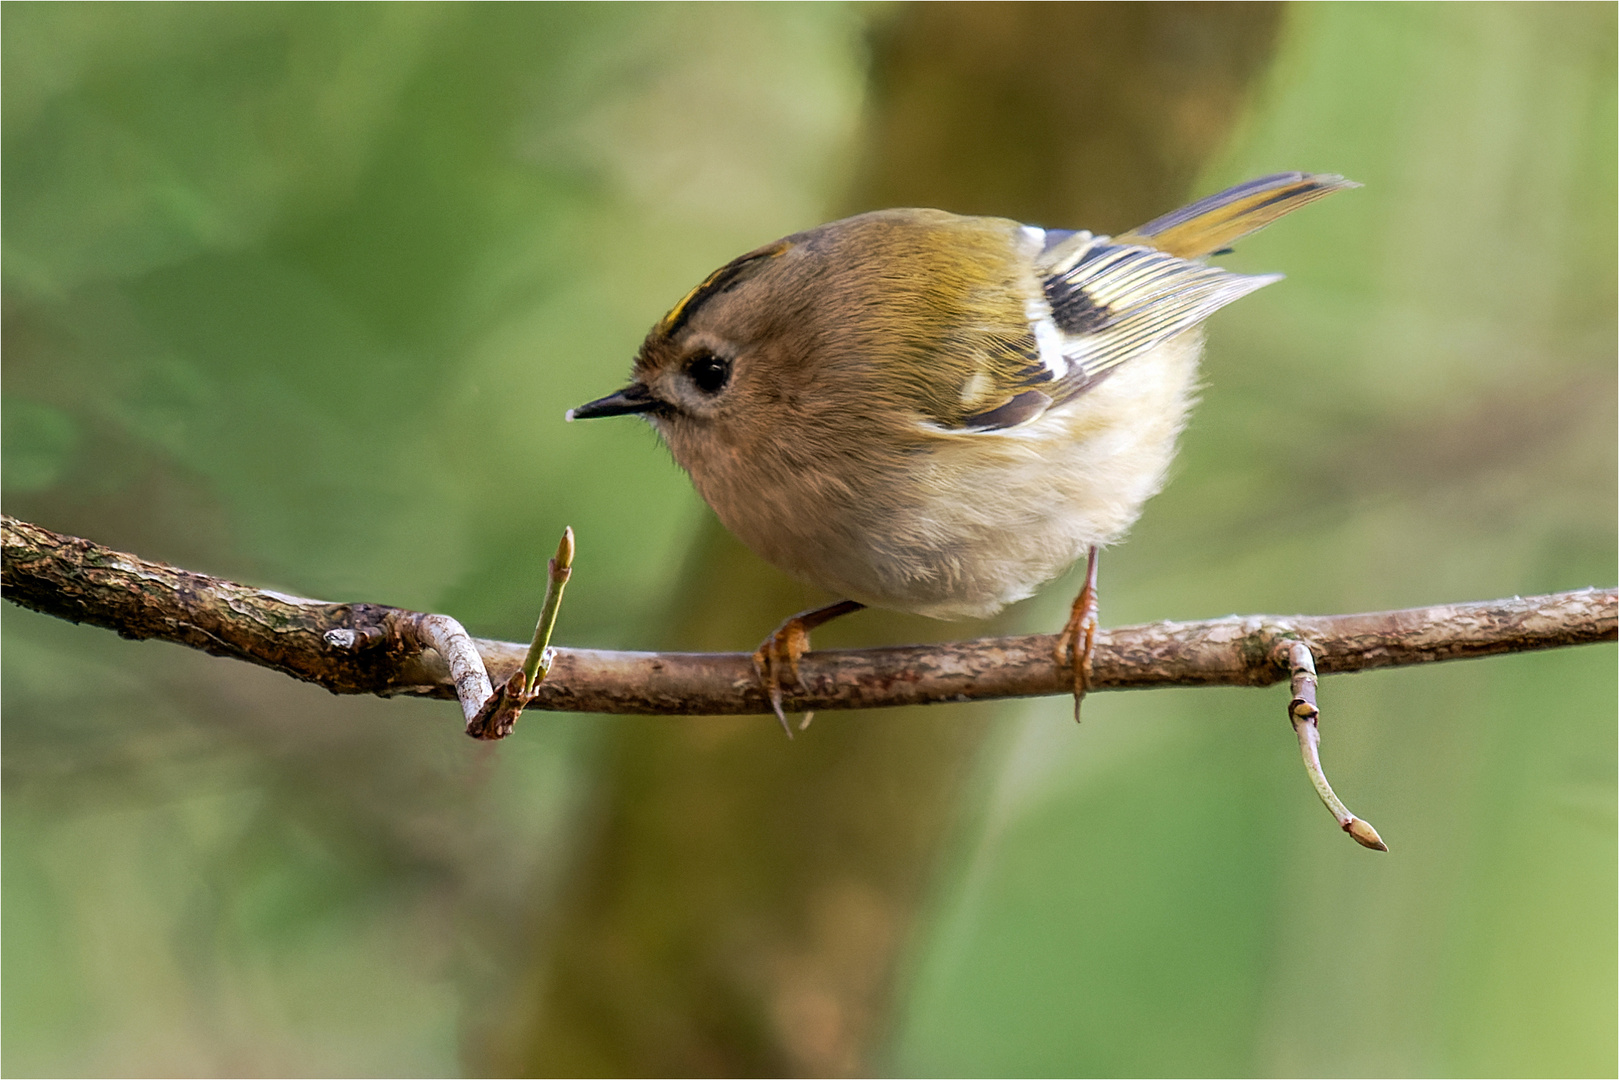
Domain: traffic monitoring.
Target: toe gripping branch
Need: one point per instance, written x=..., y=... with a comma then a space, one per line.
x=778, y=655
x=1304, y=714
x=1076, y=645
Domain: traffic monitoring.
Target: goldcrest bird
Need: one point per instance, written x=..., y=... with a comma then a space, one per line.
x=938, y=414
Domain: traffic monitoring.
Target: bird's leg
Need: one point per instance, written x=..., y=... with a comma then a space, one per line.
x=780, y=651
x=1076, y=645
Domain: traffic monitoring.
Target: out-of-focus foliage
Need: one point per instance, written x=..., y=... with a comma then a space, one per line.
x=1422, y=412
x=297, y=294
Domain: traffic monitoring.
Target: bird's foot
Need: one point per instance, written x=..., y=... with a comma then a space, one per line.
x=1076, y=645
x=777, y=656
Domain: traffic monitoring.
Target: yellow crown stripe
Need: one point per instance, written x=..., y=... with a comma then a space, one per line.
x=716, y=282
x=685, y=301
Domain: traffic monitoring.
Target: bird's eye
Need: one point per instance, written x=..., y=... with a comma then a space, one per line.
x=709, y=373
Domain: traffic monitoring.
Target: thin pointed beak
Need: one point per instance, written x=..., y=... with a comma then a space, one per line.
x=634, y=398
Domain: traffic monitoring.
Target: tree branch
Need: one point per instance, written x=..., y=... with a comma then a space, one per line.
x=375, y=649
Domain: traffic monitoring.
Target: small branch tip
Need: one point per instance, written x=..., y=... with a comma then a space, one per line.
x=1364, y=835
x=537, y=662
x=565, y=549
x=1305, y=716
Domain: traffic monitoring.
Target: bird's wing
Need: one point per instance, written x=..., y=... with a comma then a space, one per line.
x=1110, y=302
x=1107, y=300
x=1101, y=303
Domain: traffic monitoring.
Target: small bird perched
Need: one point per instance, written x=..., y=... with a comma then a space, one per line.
x=938, y=414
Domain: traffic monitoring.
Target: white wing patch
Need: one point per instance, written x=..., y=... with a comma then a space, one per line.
x=1037, y=309
x=1099, y=304
x=1110, y=302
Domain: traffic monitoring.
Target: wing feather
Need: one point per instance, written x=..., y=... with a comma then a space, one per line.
x=1102, y=304
x=1105, y=300
x=1114, y=301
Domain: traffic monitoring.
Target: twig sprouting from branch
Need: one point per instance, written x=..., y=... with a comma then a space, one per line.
x=84, y=582
x=537, y=664
x=490, y=713
x=493, y=713
x=467, y=673
x=1304, y=714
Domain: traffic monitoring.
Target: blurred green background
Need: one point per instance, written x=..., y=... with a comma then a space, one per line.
x=297, y=295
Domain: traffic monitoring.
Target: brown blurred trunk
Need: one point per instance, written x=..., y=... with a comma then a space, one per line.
x=741, y=906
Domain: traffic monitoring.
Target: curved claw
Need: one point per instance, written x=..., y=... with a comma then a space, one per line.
x=777, y=652
x=1076, y=645
x=780, y=652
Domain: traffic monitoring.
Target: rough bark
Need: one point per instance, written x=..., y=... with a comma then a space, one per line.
x=373, y=648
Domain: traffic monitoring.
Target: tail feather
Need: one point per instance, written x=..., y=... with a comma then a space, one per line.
x=1216, y=222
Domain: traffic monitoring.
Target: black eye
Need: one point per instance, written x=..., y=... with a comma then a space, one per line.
x=709, y=373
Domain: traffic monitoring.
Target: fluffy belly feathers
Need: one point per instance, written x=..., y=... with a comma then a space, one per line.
x=988, y=517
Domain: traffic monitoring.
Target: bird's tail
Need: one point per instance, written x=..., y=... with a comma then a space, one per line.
x=1216, y=222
